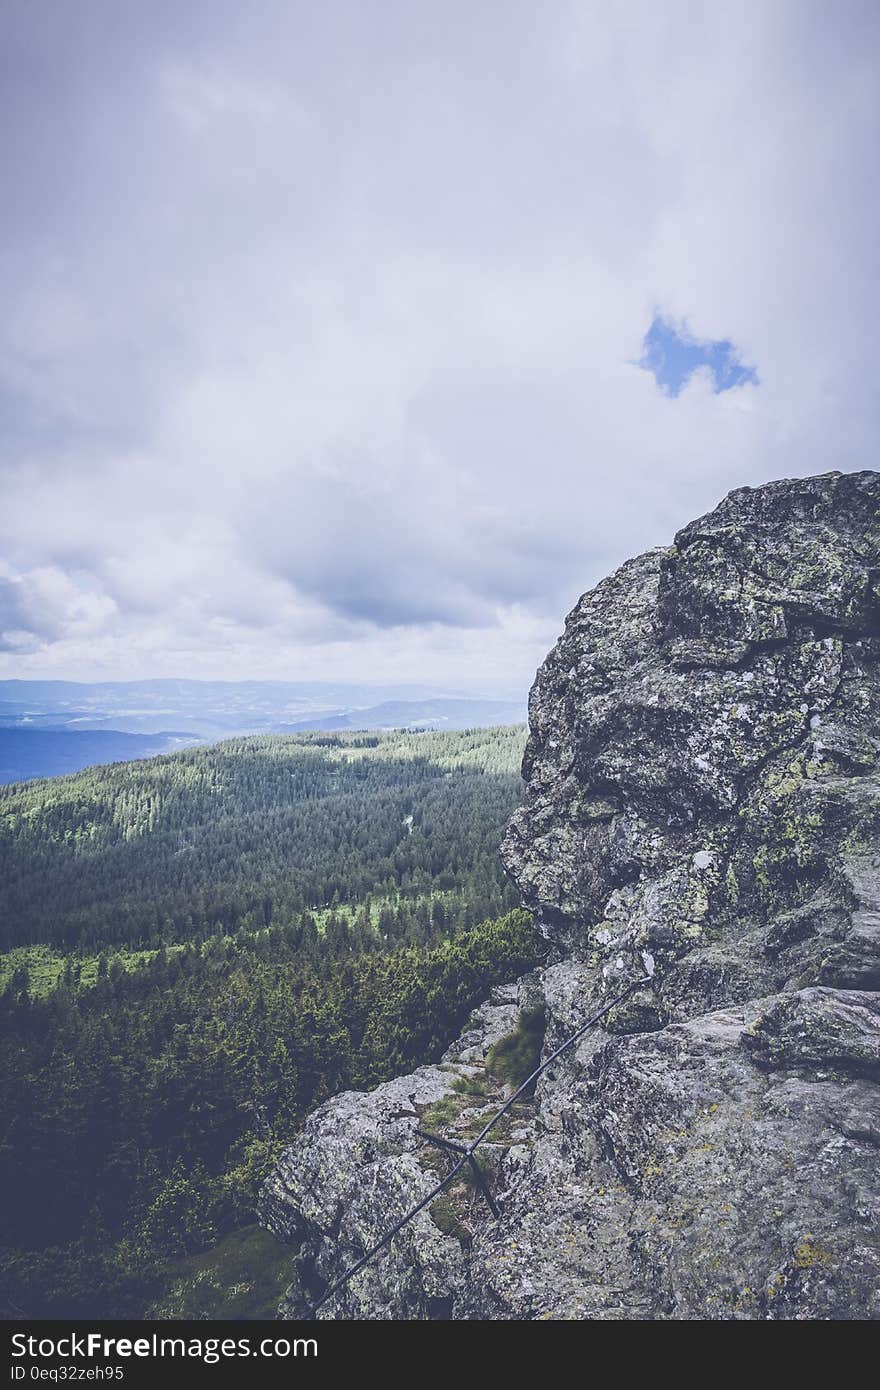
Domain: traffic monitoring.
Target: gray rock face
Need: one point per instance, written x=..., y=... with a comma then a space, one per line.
x=359, y=1165
x=703, y=791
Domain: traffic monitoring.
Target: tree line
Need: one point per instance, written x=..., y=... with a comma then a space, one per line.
x=320, y=912
x=142, y=1114
x=252, y=832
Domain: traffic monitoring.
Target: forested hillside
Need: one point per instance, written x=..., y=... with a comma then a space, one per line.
x=207, y=945
x=254, y=831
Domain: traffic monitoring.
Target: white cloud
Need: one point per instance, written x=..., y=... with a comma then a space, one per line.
x=198, y=97
x=317, y=355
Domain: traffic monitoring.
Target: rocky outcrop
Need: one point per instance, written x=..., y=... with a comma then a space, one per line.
x=703, y=793
x=360, y=1165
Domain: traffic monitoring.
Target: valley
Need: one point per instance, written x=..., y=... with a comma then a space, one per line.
x=198, y=948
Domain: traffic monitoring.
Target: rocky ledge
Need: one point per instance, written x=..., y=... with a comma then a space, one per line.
x=702, y=794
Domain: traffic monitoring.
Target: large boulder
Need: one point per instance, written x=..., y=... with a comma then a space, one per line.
x=702, y=801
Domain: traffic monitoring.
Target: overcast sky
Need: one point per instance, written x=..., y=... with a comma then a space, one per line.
x=322, y=322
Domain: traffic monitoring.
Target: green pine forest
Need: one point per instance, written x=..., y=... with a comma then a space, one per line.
x=197, y=949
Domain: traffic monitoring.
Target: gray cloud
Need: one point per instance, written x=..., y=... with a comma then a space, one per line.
x=319, y=321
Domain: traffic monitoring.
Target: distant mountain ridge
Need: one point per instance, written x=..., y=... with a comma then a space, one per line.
x=434, y=714
x=52, y=727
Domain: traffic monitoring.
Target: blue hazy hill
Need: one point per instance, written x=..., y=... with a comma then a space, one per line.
x=29, y=753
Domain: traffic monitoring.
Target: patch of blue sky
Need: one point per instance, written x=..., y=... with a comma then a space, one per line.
x=672, y=354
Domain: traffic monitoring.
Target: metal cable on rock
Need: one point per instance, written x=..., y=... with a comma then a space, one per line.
x=467, y=1152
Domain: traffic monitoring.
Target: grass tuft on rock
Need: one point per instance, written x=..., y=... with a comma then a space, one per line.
x=514, y=1057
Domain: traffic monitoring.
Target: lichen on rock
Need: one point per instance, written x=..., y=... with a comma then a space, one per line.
x=702, y=789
